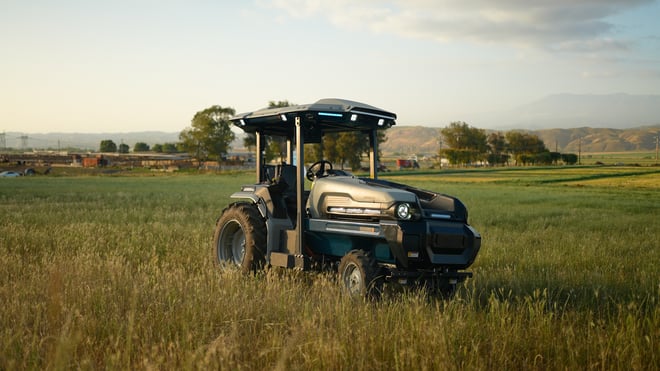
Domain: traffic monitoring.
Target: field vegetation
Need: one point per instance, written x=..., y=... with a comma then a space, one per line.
x=115, y=272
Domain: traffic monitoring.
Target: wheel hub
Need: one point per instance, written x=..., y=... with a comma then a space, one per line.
x=353, y=279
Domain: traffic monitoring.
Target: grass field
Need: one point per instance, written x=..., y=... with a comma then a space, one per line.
x=116, y=272
x=627, y=158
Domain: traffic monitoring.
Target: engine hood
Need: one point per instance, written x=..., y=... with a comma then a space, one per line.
x=348, y=195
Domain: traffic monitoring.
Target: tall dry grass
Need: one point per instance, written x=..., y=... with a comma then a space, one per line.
x=112, y=272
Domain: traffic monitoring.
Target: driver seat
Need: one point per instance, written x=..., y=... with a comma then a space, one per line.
x=285, y=186
x=286, y=174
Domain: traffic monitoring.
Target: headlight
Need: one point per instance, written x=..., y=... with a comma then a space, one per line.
x=403, y=211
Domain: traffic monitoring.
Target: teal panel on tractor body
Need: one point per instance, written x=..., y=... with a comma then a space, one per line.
x=383, y=253
x=334, y=244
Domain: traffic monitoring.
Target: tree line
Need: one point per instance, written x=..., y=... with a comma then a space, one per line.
x=108, y=145
x=209, y=137
x=462, y=144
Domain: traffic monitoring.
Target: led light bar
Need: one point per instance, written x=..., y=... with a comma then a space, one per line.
x=353, y=211
x=330, y=114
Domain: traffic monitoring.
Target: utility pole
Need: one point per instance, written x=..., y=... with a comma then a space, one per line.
x=24, y=141
x=458, y=148
x=579, y=150
x=440, y=151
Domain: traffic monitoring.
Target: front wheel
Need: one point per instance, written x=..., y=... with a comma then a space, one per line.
x=359, y=274
x=240, y=238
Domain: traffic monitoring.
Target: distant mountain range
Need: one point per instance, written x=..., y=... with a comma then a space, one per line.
x=617, y=111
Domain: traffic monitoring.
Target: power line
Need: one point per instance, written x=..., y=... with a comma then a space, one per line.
x=24, y=141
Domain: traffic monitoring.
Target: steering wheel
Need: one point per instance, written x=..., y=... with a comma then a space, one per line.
x=318, y=169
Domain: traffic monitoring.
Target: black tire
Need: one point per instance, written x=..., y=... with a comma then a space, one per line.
x=240, y=238
x=359, y=274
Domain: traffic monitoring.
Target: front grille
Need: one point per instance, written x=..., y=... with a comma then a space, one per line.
x=442, y=243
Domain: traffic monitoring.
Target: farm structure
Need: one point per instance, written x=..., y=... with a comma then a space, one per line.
x=407, y=164
x=132, y=160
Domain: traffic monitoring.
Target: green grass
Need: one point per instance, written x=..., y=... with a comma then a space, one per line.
x=610, y=176
x=627, y=158
x=116, y=272
x=643, y=158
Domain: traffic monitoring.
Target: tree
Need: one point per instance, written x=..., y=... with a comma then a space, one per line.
x=123, y=148
x=170, y=148
x=555, y=157
x=381, y=137
x=108, y=145
x=543, y=158
x=569, y=158
x=497, y=149
x=466, y=144
x=313, y=152
x=141, y=147
x=210, y=133
x=350, y=146
x=158, y=148
x=274, y=146
x=524, y=146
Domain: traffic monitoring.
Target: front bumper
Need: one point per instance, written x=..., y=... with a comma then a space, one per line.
x=426, y=244
x=432, y=244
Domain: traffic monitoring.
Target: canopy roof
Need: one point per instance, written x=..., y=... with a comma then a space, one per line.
x=324, y=116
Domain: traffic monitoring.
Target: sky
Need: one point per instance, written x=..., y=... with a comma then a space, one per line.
x=91, y=66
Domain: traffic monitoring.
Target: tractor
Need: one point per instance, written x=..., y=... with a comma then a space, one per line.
x=373, y=232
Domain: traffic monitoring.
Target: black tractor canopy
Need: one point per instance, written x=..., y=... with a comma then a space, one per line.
x=324, y=116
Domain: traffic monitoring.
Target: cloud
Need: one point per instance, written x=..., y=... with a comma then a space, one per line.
x=598, y=74
x=592, y=45
x=559, y=25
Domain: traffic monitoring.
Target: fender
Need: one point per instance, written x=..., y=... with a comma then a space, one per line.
x=260, y=196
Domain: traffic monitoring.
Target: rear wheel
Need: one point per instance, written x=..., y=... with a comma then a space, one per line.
x=359, y=274
x=240, y=238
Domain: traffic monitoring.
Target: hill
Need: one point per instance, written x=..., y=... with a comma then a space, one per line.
x=425, y=140
x=411, y=139
x=599, y=140
x=86, y=141
x=403, y=140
